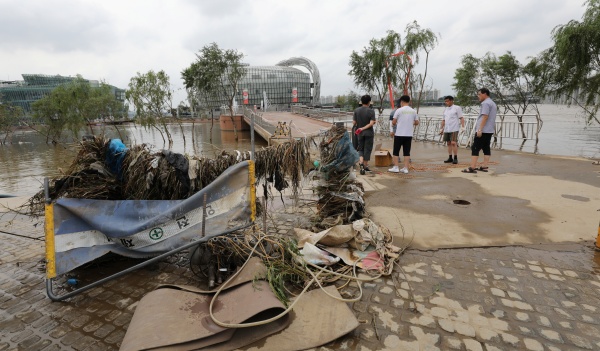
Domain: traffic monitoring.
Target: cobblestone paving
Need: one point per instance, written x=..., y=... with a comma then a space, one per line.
x=509, y=298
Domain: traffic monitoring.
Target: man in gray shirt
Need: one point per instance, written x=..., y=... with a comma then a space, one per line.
x=485, y=127
x=364, y=120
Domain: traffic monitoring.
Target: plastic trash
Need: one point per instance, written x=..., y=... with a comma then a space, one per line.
x=314, y=255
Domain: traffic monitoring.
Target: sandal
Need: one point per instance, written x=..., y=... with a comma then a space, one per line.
x=469, y=170
x=483, y=169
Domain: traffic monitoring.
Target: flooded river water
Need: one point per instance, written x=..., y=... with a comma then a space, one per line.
x=28, y=159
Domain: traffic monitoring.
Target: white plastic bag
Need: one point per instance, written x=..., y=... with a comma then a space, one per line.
x=314, y=255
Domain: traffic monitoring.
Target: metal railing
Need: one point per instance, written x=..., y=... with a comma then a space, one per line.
x=258, y=120
x=522, y=127
x=329, y=115
x=508, y=126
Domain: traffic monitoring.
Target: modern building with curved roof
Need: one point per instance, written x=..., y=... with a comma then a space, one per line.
x=281, y=85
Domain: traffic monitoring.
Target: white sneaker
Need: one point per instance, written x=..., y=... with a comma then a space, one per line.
x=404, y=170
x=394, y=169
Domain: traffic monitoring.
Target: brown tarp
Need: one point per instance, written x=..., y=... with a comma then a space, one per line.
x=176, y=318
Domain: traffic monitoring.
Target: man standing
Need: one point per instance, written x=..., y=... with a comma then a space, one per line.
x=405, y=119
x=486, y=126
x=364, y=120
x=451, y=124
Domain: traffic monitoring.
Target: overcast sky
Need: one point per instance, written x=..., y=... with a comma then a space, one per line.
x=113, y=40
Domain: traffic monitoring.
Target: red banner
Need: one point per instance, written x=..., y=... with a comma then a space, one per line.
x=245, y=96
x=294, y=94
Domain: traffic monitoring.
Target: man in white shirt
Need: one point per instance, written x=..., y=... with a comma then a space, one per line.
x=405, y=118
x=452, y=123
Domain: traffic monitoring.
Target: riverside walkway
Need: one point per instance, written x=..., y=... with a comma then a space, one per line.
x=268, y=125
x=515, y=269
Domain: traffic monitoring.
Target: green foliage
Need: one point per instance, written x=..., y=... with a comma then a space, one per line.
x=374, y=67
x=9, y=118
x=369, y=70
x=353, y=99
x=72, y=106
x=466, y=81
x=512, y=85
x=342, y=100
x=215, y=75
x=151, y=96
x=416, y=42
x=571, y=66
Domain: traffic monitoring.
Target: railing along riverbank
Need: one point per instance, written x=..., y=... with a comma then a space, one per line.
x=523, y=127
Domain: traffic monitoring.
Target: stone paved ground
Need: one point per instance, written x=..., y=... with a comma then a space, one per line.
x=501, y=298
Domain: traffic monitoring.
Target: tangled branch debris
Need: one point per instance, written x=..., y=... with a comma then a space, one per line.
x=162, y=175
x=340, y=195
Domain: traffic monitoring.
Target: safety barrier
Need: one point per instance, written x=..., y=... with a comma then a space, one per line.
x=508, y=126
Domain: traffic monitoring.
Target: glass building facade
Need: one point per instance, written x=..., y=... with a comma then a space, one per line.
x=36, y=86
x=281, y=85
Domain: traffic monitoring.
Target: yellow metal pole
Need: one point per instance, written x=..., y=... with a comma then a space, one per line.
x=50, y=249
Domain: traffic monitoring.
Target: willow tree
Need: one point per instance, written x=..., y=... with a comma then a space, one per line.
x=9, y=118
x=571, y=67
x=73, y=106
x=215, y=76
x=418, y=42
x=387, y=61
x=466, y=82
x=370, y=68
x=152, y=97
x=512, y=84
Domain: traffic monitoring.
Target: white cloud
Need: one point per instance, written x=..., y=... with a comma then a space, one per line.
x=113, y=40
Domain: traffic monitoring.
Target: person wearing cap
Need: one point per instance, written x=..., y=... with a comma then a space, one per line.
x=364, y=120
x=452, y=123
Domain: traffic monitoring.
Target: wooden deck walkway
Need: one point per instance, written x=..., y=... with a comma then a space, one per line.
x=300, y=126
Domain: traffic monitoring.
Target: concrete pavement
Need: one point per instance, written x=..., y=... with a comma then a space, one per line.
x=504, y=292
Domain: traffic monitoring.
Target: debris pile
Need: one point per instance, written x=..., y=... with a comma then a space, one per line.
x=340, y=195
x=105, y=169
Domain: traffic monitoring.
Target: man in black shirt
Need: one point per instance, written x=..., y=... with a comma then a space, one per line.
x=364, y=120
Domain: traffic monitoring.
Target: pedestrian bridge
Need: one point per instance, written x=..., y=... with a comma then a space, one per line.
x=280, y=126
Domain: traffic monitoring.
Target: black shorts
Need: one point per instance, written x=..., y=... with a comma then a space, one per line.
x=403, y=142
x=365, y=146
x=482, y=143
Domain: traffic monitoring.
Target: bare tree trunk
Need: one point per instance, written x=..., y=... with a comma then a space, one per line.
x=194, y=147
x=182, y=135
x=90, y=126
x=119, y=132
x=212, y=124
x=161, y=134
x=423, y=80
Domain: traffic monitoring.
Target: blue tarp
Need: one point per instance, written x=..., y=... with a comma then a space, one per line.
x=86, y=229
x=114, y=157
x=345, y=156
